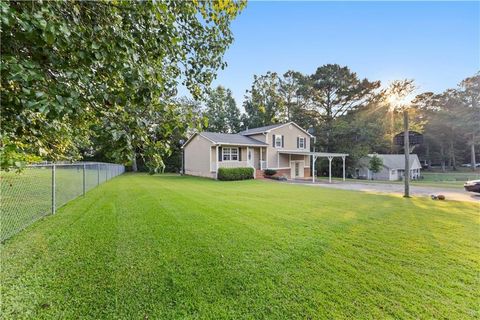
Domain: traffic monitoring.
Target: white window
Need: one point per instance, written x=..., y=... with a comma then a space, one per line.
x=278, y=141
x=301, y=143
x=230, y=154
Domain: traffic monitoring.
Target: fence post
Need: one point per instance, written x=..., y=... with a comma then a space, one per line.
x=53, y=189
x=84, y=180
x=106, y=173
x=98, y=174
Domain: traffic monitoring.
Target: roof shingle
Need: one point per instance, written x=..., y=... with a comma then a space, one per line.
x=261, y=129
x=229, y=138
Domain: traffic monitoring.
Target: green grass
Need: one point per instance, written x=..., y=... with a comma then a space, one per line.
x=166, y=247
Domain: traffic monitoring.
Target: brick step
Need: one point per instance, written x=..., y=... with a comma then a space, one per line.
x=259, y=174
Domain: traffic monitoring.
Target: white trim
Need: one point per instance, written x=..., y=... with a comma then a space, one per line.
x=281, y=138
x=240, y=144
x=304, y=143
x=317, y=154
x=216, y=162
x=279, y=168
x=230, y=154
x=193, y=136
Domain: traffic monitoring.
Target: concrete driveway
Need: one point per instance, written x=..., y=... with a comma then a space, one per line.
x=449, y=193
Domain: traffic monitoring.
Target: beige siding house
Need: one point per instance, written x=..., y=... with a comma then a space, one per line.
x=283, y=147
x=393, y=167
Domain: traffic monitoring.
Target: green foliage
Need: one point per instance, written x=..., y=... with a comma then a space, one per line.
x=222, y=112
x=263, y=104
x=231, y=174
x=270, y=172
x=106, y=72
x=270, y=249
x=375, y=164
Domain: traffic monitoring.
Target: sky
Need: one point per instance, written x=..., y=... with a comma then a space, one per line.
x=435, y=43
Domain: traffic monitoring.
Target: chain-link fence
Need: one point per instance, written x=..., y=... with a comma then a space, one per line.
x=41, y=189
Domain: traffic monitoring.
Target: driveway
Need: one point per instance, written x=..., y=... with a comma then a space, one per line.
x=450, y=194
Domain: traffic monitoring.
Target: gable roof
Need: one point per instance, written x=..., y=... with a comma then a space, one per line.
x=261, y=129
x=397, y=161
x=227, y=139
x=271, y=127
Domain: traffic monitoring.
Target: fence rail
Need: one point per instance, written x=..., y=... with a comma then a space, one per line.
x=41, y=189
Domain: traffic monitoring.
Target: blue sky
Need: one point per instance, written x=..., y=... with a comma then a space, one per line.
x=435, y=43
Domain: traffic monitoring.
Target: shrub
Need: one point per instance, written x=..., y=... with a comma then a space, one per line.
x=269, y=172
x=231, y=174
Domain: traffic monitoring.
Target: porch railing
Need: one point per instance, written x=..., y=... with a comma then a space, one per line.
x=263, y=165
x=233, y=164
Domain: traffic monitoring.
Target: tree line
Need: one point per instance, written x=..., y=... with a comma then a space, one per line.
x=356, y=116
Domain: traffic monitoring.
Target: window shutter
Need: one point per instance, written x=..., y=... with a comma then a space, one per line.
x=273, y=139
x=239, y=154
x=282, y=142
x=298, y=142
x=220, y=154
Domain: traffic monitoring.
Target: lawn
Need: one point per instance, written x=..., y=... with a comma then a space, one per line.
x=164, y=247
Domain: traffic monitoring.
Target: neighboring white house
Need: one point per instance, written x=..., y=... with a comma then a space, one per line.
x=392, y=169
x=284, y=147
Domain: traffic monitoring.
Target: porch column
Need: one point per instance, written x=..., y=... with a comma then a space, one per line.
x=313, y=168
x=330, y=169
x=216, y=162
x=343, y=159
x=261, y=158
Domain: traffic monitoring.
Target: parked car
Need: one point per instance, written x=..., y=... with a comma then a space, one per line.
x=472, y=186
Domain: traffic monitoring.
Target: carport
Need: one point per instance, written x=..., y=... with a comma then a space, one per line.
x=316, y=155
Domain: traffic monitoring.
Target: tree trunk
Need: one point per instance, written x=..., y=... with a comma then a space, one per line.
x=134, y=162
x=453, y=164
x=406, y=147
x=472, y=153
x=442, y=155
x=427, y=155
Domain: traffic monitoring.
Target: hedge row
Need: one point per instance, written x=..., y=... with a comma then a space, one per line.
x=231, y=174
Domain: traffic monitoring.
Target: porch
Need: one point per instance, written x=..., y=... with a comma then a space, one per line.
x=237, y=156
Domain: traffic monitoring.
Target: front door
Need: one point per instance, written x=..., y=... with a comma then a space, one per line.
x=296, y=169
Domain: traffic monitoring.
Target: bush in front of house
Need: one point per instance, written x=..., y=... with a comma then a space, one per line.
x=269, y=172
x=231, y=174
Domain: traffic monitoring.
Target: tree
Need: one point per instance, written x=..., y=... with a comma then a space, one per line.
x=222, y=111
x=470, y=113
x=333, y=91
x=375, y=164
x=72, y=67
x=263, y=103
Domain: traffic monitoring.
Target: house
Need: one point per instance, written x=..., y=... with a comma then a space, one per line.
x=258, y=148
x=283, y=147
x=393, y=167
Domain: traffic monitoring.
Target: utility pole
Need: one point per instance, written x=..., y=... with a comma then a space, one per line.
x=406, y=147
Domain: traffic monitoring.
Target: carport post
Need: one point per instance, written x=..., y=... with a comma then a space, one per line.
x=313, y=168
x=330, y=169
x=343, y=159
